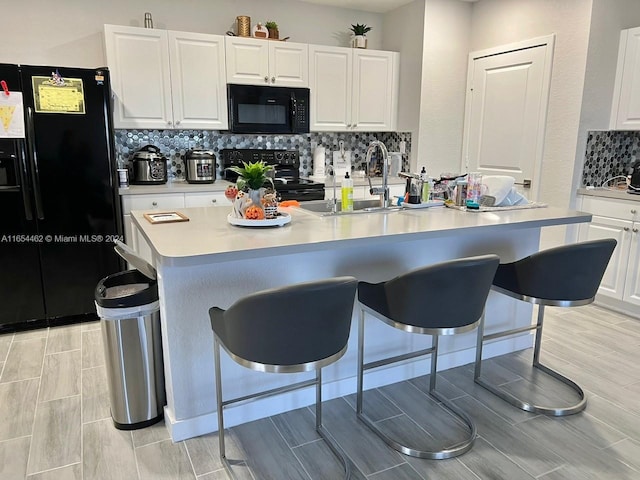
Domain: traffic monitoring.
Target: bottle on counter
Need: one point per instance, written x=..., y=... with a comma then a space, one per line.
x=426, y=185
x=347, y=193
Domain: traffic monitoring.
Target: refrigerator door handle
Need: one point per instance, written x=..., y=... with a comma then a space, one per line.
x=33, y=156
x=26, y=198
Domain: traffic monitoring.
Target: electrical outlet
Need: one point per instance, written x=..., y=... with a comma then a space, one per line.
x=403, y=146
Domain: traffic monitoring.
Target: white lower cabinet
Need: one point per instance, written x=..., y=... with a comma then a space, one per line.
x=619, y=219
x=206, y=200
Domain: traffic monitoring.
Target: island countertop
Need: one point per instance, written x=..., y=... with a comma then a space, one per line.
x=209, y=237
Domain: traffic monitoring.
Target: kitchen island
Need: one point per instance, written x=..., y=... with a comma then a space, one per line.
x=208, y=262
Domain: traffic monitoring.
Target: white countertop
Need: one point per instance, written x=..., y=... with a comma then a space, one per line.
x=609, y=193
x=208, y=238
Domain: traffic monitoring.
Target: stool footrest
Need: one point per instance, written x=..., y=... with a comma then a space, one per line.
x=397, y=358
x=447, y=452
x=530, y=407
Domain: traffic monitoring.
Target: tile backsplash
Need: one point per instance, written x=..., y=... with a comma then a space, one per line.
x=609, y=154
x=174, y=144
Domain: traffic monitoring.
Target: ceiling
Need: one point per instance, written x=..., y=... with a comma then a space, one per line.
x=376, y=6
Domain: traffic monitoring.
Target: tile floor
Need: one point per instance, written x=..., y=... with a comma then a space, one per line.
x=55, y=424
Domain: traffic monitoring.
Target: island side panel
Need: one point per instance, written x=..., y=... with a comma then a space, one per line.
x=187, y=293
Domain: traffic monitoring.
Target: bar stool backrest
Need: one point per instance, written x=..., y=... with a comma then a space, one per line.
x=291, y=325
x=450, y=294
x=570, y=272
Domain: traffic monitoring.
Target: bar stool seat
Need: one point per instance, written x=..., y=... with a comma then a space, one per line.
x=566, y=276
x=441, y=299
x=290, y=329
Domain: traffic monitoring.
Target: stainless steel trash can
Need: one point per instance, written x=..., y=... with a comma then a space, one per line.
x=127, y=303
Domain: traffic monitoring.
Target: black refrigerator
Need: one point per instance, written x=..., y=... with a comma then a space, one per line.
x=59, y=209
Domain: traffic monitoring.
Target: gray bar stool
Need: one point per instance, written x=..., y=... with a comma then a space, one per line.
x=441, y=299
x=566, y=276
x=290, y=329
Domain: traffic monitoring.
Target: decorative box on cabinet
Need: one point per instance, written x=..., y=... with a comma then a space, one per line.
x=164, y=79
x=263, y=62
x=625, y=109
x=353, y=90
x=619, y=219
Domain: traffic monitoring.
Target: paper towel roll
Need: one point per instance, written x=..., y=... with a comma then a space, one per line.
x=319, y=159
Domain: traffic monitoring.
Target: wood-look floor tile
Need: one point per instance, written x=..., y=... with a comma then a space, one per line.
x=444, y=387
x=627, y=422
x=266, y=453
x=70, y=472
x=92, y=349
x=5, y=343
x=451, y=469
x=17, y=408
x=241, y=472
x=152, y=434
x=31, y=334
x=95, y=325
x=56, y=439
x=533, y=456
x=320, y=462
x=401, y=472
x=164, y=460
x=64, y=339
x=489, y=464
x=376, y=405
x=573, y=472
x=297, y=427
x=627, y=451
x=13, y=457
x=367, y=451
x=95, y=395
x=204, y=452
x=24, y=360
x=107, y=453
x=60, y=376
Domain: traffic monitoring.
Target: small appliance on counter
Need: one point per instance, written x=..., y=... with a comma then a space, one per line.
x=200, y=166
x=149, y=167
x=634, y=178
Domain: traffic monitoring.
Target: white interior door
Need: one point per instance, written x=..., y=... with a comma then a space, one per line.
x=507, y=98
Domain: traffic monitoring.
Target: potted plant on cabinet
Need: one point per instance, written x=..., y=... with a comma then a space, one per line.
x=359, y=39
x=273, y=29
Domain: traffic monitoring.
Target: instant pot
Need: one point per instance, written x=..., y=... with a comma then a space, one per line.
x=149, y=167
x=200, y=166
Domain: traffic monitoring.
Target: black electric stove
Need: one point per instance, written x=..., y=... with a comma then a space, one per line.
x=287, y=179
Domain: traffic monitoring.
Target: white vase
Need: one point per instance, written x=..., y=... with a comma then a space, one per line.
x=359, y=41
x=256, y=196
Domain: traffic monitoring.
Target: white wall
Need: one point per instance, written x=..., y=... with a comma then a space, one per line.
x=69, y=32
x=499, y=22
x=447, y=29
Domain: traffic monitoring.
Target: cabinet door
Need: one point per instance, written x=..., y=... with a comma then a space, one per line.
x=198, y=80
x=626, y=101
x=288, y=64
x=330, y=80
x=375, y=90
x=632, y=285
x=247, y=61
x=613, y=282
x=138, y=59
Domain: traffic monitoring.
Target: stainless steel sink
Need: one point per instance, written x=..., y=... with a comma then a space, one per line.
x=359, y=206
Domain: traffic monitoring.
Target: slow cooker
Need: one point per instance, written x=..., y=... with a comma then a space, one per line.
x=200, y=166
x=149, y=166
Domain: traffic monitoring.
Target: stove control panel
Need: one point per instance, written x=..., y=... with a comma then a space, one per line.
x=236, y=156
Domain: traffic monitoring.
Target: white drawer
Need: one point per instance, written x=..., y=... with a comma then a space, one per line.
x=609, y=207
x=206, y=200
x=152, y=202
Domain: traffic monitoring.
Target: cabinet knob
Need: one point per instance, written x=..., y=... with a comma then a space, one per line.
x=626, y=229
x=635, y=230
x=177, y=122
x=634, y=211
x=155, y=204
x=266, y=79
x=213, y=200
x=273, y=79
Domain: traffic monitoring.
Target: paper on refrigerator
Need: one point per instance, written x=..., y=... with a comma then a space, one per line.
x=11, y=115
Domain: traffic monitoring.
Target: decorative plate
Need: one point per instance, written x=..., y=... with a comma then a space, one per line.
x=280, y=220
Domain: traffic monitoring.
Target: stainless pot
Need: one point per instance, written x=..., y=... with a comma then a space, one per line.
x=149, y=167
x=200, y=166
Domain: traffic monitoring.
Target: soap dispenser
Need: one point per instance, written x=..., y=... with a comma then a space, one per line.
x=426, y=185
x=347, y=193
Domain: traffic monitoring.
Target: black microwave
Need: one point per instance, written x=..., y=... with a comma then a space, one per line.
x=258, y=109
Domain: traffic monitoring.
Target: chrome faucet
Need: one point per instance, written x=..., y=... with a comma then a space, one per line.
x=383, y=191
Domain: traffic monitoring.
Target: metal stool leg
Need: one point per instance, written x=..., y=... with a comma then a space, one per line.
x=512, y=399
x=447, y=452
x=223, y=456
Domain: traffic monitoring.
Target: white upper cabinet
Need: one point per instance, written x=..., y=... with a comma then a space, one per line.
x=267, y=62
x=164, y=79
x=625, y=111
x=352, y=89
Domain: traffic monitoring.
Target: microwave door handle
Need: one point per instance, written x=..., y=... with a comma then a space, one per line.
x=294, y=110
x=26, y=198
x=33, y=157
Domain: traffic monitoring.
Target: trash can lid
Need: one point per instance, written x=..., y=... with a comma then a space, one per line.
x=134, y=259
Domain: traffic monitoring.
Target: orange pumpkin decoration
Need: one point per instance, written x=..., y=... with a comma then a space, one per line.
x=254, y=213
